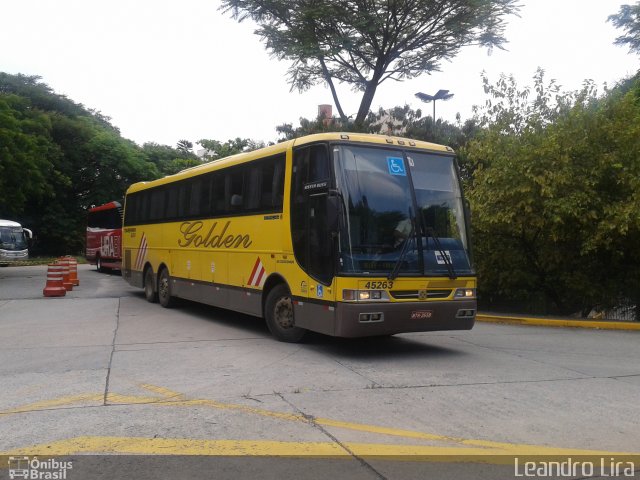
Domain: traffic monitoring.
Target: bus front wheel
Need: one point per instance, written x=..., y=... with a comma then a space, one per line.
x=164, y=289
x=279, y=316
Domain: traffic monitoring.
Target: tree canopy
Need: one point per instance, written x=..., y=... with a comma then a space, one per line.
x=58, y=158
x=628, y=19
x=366, y=42
x=556, y=194
x=215, y=149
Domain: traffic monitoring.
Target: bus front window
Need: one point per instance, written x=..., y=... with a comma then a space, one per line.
x=441, y=213
x=12, y=238
x=377, y=209
x=380, y=214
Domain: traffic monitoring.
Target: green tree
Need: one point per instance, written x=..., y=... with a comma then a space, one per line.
x=215, y=150
x=555, y=195
x=169, y=160
x=366, y=42
x=58, y=158
x=308, y=127
x=26, y=155
x=628, y=19
x=185, y=147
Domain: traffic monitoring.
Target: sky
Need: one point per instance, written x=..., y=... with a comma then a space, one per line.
x=166, y=70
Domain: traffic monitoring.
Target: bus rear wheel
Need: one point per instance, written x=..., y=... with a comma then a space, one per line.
x=279, y=316
x=164, y=289
x=150, y=292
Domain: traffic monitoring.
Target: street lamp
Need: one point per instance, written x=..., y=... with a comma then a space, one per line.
x=441, y=95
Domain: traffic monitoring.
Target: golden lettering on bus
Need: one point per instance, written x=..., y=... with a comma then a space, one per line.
x=192, y=236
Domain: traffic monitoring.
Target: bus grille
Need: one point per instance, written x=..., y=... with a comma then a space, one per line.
x=415, y=294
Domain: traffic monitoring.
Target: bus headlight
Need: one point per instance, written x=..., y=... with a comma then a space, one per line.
x=465, y=293
x=363, y=295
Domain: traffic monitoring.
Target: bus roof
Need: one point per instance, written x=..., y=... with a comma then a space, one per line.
x=9, y=223
x=106, y=206
x=282, y=147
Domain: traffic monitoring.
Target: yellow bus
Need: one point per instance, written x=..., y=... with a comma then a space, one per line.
x=344, y=234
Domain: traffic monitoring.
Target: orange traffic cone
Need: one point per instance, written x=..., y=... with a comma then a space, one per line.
x=73, y=270
x=54, y=286
x=68, y=285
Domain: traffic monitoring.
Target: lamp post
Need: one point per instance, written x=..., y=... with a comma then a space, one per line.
x=440, y=95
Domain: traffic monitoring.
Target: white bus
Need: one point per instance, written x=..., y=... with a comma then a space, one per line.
x=14, y=242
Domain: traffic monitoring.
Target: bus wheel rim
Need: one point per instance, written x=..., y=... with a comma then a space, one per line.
x=283, y=313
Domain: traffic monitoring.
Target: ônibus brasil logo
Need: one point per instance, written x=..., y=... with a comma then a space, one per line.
x=34, y=469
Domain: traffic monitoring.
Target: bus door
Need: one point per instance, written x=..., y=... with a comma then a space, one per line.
x=312, y=241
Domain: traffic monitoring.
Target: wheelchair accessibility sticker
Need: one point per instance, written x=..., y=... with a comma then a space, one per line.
x=396, y=166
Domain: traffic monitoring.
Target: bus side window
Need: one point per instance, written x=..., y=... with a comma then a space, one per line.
x=272, y=184
x=194, y=197
x=157, y=204
x=218, y=195
x=172, y=202
x=130, y=202
x=115, y=219
x=253, y=194
x=184, y=195
x=205, y=195
x=235, y=189
x=143, y=207
x=278, y=183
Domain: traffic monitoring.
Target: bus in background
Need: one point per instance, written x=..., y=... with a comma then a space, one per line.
x=104, y=236
x=348, y=235
x=14, y=242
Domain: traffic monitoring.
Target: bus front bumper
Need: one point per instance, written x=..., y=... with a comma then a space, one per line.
x=13, y=255
x=370, y=319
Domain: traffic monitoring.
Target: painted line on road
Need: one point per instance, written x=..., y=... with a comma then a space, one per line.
x=268, y=448
x=549, y=322
x=57, y=402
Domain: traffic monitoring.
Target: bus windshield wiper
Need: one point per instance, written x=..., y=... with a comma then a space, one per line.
x=396, y=268
x=447, y=261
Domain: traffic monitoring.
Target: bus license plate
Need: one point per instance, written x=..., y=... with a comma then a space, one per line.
x=421, y=314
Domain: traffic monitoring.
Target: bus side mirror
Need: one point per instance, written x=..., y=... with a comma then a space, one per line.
x=333, y=214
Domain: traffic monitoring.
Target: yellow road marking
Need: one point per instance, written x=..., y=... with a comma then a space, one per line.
x=165, y=392
x=58, y=402
x=265, y=448
x=547, y=322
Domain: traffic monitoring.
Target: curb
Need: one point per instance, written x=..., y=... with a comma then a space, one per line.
x=549, y=322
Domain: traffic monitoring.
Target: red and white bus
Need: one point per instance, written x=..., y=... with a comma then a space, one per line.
x=104, y=236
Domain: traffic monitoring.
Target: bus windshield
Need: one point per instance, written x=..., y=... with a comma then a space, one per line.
x=403, y=212
x=12, y=238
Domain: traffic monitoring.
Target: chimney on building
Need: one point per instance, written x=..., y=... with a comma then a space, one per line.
x=325, y=113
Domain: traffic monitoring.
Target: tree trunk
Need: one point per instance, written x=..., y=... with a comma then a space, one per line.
x=334, y=94
x=367, y=100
